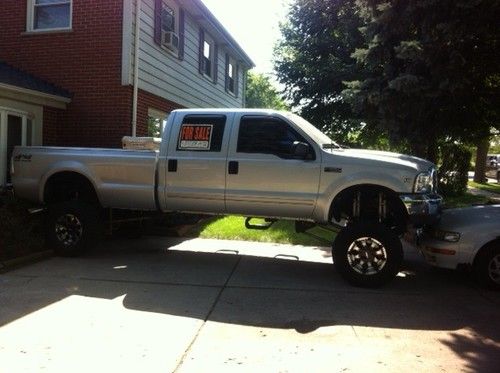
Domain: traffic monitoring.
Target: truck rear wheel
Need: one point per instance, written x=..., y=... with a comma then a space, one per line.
x=367, y=254
x=72, y=227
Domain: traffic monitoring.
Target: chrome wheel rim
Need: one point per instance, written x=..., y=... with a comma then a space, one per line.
x=494, y=269
x=68, y=229
x=367, y=256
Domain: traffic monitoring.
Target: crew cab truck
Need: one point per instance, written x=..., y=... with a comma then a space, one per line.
x=250, y=162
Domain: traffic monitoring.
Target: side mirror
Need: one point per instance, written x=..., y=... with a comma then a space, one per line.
x=300, y=149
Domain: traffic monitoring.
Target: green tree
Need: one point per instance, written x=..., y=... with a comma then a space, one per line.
x=313, y=59
x=260, y=93
x=430, y=70
x=420, y=72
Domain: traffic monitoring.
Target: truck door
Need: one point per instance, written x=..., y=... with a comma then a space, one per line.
x=265, y=177
x=196, y=162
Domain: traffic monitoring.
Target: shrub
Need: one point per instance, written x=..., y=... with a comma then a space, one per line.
x=20, y=232
x=453, y=171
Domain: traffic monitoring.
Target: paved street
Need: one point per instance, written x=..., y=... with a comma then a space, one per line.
x=161, y=305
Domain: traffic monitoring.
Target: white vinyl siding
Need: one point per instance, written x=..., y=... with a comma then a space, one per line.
x=164, y=75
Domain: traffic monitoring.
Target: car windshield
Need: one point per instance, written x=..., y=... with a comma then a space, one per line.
x=318, y=136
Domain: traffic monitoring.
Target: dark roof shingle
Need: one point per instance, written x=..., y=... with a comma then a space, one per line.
x=13, y=76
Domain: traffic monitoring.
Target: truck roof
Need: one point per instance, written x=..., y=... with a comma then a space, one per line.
x=230, y=110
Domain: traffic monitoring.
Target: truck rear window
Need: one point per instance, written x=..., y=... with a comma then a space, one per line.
x=201, y=133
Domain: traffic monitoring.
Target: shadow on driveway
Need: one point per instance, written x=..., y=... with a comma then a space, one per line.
x=262, y=292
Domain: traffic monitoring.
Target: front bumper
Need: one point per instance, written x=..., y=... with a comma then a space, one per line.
x=440, y=253
x=422, y=209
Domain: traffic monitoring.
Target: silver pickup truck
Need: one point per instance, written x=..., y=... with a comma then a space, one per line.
x=250, y=162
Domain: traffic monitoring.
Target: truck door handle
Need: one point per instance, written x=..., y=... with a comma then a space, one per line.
x=172, y=165
x=233, y=167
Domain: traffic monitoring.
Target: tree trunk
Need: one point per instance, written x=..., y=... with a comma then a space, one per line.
x=432, y=151
x=481, y=156
x=419, y=149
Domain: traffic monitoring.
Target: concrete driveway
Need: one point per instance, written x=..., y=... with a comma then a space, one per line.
x=160, y=305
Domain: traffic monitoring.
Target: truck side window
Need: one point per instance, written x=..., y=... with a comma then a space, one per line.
x=268, y=135
x=201, y=133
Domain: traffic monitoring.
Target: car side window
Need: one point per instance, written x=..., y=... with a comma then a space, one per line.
x=201, y=133
x=267, y=135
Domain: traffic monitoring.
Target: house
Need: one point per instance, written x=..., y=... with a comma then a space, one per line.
x=77, y=72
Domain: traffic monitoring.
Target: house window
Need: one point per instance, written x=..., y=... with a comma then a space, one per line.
x=208, y=56
x=16, y=128
x=167, y=18
x=169, y=27
x=49, y=15
x=231, y=75
x=156, y=122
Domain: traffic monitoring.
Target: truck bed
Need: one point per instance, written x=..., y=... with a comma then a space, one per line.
x=122, y=178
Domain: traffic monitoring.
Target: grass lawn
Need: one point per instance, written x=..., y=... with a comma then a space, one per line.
x=490, y=187
x=283, y=231
x=467, y=199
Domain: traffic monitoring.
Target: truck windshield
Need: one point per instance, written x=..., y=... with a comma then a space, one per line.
x=318, y=136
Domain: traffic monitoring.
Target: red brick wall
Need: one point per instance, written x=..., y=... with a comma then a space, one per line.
x=51, y=126
x=85, y=61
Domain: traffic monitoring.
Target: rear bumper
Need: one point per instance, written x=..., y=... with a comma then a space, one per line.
x=422, y=209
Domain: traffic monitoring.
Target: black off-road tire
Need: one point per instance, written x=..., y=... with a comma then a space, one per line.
x=367, y=254
x=487, y=266
x=72, y=227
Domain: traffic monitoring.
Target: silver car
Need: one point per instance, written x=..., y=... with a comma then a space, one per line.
x=466, y=237
x=493, y=167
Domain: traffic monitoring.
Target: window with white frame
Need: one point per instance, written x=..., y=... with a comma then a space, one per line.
x=45, y=15
x=16, y=128
x=156, y=122
x=168, y=21
x=231, y=74
x=208, y=56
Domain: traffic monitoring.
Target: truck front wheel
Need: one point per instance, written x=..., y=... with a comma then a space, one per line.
x=367, y=254
x=72, y=227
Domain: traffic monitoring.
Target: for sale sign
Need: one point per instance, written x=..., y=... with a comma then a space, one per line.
x=195, y=136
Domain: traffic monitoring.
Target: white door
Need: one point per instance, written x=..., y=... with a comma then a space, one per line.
x=15, y=129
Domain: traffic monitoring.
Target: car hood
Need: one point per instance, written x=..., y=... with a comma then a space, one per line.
x=474, y=217
x=395, y=159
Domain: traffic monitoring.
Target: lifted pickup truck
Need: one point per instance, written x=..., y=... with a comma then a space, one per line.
x=250, y=162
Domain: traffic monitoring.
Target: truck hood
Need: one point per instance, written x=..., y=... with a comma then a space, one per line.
x=388, y=158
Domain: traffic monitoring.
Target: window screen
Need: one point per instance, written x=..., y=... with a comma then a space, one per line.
x=51, y=14
x=201, y=133
x=167, y=18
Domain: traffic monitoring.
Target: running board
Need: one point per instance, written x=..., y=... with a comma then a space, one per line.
x=268, y=223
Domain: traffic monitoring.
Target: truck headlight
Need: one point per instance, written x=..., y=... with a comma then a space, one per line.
x=424, y=183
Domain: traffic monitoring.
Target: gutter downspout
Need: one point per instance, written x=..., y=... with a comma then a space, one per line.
x=136, y=65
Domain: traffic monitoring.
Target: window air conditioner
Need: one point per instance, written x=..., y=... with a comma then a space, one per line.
x=170, y=40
